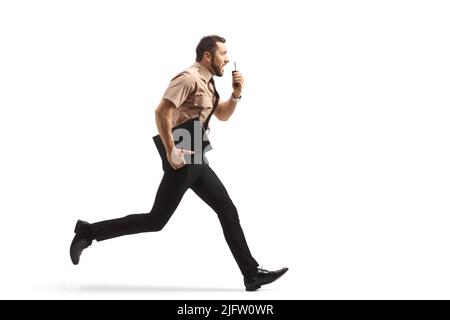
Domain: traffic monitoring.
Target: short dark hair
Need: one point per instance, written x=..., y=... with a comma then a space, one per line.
x=208, y=43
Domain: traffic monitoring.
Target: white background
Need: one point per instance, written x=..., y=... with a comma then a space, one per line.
x=337, y=157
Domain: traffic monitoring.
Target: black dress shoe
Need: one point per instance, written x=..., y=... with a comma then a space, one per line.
x=262, y=277
x=80, y=242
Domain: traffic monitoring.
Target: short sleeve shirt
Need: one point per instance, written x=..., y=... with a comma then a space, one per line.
x=192, y=94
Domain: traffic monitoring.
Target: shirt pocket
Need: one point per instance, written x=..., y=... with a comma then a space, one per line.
x=203, y=102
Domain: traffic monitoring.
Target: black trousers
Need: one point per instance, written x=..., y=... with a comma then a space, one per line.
x=205, y=183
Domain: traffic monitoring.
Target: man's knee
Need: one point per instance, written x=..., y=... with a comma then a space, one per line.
x=228, y=213
x=158, y=227
x=154, y=223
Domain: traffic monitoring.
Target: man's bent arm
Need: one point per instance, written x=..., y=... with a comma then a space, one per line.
x=225, y=109
x=163, y=117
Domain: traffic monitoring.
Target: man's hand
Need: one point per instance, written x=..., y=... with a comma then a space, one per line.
x=176, y=157
x=238, y=83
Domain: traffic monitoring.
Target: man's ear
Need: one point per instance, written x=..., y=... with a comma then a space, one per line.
x=208, y=56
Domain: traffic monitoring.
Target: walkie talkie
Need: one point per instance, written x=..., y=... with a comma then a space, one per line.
x=235, y=84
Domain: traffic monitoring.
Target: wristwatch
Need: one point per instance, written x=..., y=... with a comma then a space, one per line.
x=235, y=99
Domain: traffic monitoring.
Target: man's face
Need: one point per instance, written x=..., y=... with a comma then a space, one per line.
x=219, y=60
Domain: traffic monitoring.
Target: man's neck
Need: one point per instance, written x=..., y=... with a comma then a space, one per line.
x=206, y=66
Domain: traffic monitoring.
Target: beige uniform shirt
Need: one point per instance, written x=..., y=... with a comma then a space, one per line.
x=191, y=93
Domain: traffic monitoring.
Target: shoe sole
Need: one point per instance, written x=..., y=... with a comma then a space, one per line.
x=252, y=288
x=76, y=230
x=74, y=260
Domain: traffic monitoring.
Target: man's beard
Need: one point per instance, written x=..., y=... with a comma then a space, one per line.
x=216, y=68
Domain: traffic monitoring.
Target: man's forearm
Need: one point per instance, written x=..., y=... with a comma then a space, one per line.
x=164, y=125
x=226, y=109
